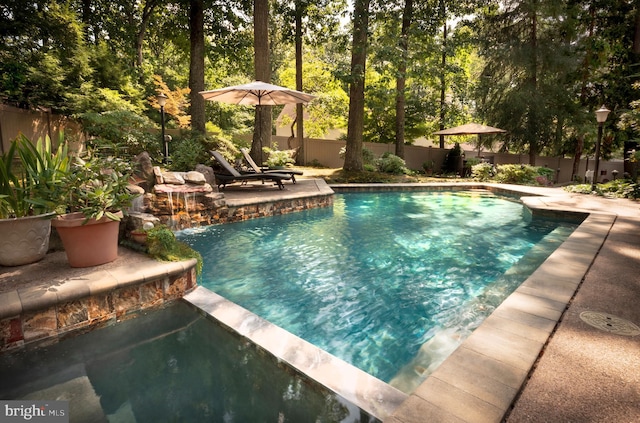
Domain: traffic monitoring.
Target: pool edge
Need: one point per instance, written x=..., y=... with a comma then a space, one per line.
x=370, y=394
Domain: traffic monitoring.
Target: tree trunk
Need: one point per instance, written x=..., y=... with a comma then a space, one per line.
x=299, y=109
x=402, y=76
x=355, y=125
x=443, y=64
x=147, y=11
x=86, y=13
x=636, y=32
x=533, y=86
x=262, y=130
x=196, y=70
x=576, y=157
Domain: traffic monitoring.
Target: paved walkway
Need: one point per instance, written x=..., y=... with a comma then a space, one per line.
x=587, y=374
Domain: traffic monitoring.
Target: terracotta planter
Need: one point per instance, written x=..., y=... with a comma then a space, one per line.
x=24, y=240
x=89, y=244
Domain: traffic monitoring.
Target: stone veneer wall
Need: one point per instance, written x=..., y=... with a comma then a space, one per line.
x=181, y=211
x=42, y=324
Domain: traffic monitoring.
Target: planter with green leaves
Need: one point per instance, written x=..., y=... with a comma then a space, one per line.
x=96, y=193
x=29, y=175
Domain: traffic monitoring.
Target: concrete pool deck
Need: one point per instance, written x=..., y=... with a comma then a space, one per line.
x=534, y=359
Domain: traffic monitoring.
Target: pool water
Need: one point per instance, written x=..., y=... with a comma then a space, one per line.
x=168, y=365
x=390, y=282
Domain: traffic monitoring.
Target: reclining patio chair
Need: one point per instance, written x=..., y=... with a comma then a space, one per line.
x=230, y=175
x=257, y=169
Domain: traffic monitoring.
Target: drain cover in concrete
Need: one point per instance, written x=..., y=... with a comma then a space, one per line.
x=610, y=323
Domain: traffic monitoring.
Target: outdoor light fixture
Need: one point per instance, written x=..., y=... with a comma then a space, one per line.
x=162, y=100
x=601, y=117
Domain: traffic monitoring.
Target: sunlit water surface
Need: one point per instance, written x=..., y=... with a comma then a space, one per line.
x=390, y=282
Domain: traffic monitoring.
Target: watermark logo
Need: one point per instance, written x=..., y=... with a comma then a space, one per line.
x=34, y=411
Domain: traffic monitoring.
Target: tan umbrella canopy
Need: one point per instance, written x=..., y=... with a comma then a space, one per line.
x=470, y=129
x=257, y=93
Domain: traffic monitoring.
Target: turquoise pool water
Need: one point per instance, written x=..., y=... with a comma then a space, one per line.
x=168, y=365
x=390, y=282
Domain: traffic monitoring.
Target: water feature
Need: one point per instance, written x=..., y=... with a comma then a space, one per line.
x=389, y=282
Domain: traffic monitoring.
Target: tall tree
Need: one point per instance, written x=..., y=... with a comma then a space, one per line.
x=525, y=68
x=300, y=8
x=443, y=71
x=145, y=16
x=403, y=45
x=262, y=132
x=196, y=69
x=355, y=126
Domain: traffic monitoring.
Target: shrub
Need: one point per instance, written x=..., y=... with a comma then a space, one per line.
x=278, y=158
x=390, y=163
x=483, y=171
x=192, y=148
x=620, y=188
x=163, y=245
x=187, y=153
x=515, y=174
x=121, y=133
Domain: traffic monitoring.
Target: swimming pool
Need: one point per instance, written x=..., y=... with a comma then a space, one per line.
x=171, y=364
x=389, y=282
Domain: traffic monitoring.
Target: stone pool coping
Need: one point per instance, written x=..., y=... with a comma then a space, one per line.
x=56, y=300
x=363, y=390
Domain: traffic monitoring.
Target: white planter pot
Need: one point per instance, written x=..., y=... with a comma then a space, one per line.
x=24, y=240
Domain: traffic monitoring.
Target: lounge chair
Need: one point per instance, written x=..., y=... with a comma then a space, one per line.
x=231, y=175
x=256, y=169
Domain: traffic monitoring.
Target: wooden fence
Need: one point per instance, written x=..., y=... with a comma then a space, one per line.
x=36, y=124
x=327, y=153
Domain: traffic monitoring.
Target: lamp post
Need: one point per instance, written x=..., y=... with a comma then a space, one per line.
x=162, y=100
x=601, y=116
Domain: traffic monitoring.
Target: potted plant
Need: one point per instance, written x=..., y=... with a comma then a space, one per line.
x=28, y=175
x=96, y=193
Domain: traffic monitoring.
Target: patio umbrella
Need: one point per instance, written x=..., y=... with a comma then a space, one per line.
x=257, y=93
x=471, y=129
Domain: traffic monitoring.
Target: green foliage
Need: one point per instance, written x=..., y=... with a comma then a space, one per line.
x=163, y=245
x=278, y=158
x=121, y=133
x=97, y=186
x=472, y=161
x=620, y=188
x=28, y=190
x=390, y=163
x=192, y=148
x=523, y=174
x=483, y=172
x=187, y=153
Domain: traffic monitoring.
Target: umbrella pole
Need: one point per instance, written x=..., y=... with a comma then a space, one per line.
x=259, y=122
